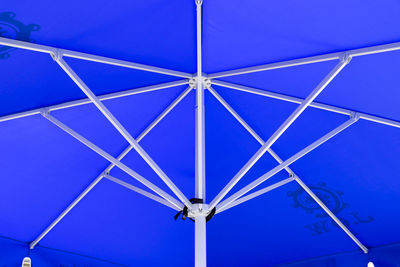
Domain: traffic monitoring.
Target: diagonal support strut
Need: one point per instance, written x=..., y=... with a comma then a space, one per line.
x=289, y=161
x=293, y=176
x=109, y=168
x=113, y=160
x=95, y=100
x=321, y=86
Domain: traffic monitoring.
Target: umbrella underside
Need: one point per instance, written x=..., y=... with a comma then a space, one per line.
x=282, y=120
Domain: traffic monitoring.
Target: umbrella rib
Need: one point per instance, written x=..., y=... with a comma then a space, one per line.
x=296, y=113
x=90, y=57
x=292, y=177
x=309, y=60
x=141, y=191
x=110, y=167
x=297, y=100
x=103, y=97
x=121, y=129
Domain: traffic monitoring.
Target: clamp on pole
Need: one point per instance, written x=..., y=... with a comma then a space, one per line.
x=199, y=209
x=199, y=2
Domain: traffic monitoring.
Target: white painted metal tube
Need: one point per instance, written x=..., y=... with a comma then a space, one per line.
x=104, y=97
x=255, y=194
x=90, y=57
x=287, y=162
x=279, y=160
x=122, y=130
x=297, y=100
x=113, y=160
x=110, y=167
x=200, y=176
x=309, y=60
x=76, y=201
x=321, y=86
x=141, y=191
x=330, y=213
x=200, y=254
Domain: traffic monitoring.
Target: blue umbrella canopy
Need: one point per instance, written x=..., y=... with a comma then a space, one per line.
x=273, y=79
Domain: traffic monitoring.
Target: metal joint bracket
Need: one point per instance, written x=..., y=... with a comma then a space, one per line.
x=193, y=82
x=345, y=58
x=45, y=112
x=199, y=2
x=198, y=210
x=355, y=116
x=56, y=54
x=206, y=83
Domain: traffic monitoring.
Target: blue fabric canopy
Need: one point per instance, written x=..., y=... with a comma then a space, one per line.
x=355, y=174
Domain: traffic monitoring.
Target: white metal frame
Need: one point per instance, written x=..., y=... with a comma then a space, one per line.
x=200, y=257
x=200, y=82
x=293, y=176
x=321, y=86
x=110, y=167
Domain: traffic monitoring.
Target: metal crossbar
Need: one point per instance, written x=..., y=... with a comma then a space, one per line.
x=200, y=81
x=293, y=176
x=298, y=100
x=90, y=57
x=113, y=160
x=109, y=168
x=121, y=129
x=289, y=161
x=104, y=97
x=309, y=60
x=320, y=87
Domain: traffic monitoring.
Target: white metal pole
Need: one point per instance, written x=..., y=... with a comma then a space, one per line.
x=321, y=86
x=113, y=160
x=200, y=125
x=104, y=97
x=200, y=180
x=109, y=168
x=309, y=60
x=297, y=100
x=90, y=57
x=121, y=129
x=200, y=254
x=276, y=185
x=289, y=161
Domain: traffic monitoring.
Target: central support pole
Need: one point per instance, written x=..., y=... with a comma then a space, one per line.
x=200, y=255
x=200, y=180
